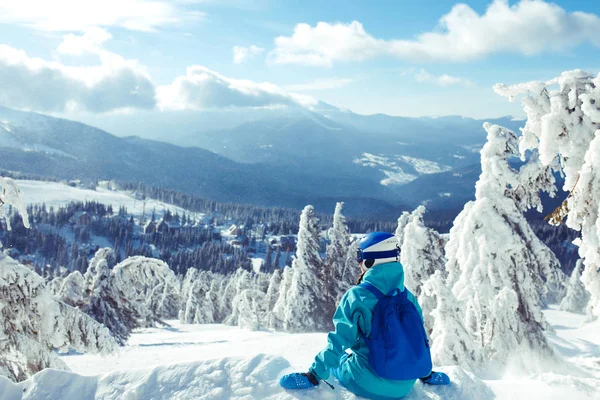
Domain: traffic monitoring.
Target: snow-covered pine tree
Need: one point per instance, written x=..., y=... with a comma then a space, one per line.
x=451, y=343
x=55, y=284
x=199, y=309
x=271, y=298
x=72, y=290
x=402, y=221
x=251, y=309
x=422, y=251
x=190, y=277
x=351, y=268
x=562, y=125
x=334, y=264
x=275, y=317
x=213, y=296
x=249, y=306
x=301, y=306
x=577, y=297
x=490, y=262
x=227, y=291
x=242, y=281
x=32, y=323
x=107, y=304
x=151, y=281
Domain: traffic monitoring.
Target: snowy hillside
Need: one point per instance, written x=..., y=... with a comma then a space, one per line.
x=56, y=194
x=222, y=362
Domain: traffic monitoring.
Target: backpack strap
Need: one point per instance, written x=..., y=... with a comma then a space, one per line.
x=376, y=292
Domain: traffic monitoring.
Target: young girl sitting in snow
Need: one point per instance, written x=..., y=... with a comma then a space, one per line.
x=381, y=323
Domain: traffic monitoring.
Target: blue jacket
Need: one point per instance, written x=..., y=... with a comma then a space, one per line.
x=352, y=317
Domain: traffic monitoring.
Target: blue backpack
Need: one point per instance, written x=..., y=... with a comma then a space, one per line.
x=398, y=346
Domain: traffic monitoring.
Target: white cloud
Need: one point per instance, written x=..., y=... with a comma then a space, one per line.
x=319, y=84
x=242, y=54
x=79, y=15
x=325, y=43
x=202, y=88
x=36, y=84
x=528, y=27
x=442, y=80
x=90, y=42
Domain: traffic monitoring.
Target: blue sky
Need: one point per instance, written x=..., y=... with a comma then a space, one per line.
x=408, y=58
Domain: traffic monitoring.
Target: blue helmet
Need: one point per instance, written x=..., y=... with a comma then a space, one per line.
x=377, y=246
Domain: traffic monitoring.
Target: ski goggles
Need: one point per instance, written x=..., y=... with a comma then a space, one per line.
x=374, y=255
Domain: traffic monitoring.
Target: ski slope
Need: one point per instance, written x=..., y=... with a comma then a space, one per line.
x=223, y=362
x=56, y=194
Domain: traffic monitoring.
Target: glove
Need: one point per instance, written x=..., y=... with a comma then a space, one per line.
x=305, y=380
x=436, y=378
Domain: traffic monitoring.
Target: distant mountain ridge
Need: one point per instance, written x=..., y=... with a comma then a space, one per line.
x=47, y=146
x=379, y=165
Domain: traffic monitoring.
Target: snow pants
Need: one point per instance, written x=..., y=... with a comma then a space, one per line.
x=354, y=387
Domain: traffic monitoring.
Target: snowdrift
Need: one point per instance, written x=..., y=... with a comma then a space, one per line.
x=226, y=378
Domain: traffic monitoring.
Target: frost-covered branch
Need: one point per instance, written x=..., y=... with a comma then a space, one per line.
x=563, y=126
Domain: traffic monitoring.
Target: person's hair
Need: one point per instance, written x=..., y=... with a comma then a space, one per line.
x=360, y=278
x=368, y=264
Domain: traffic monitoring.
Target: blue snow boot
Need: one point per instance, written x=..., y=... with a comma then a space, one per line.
x=436, y=378
x=297, y=380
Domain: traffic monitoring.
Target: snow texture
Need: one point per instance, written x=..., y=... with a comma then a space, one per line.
x=220, y=362
x=224, y=378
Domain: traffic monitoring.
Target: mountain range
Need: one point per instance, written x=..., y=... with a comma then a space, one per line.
x=287, y=157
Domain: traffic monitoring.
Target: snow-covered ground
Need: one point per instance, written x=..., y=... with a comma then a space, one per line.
x=59, y=194
x=395, y=173
x=222, y=362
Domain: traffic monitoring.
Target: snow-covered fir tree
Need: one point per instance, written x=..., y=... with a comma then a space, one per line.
x=72, y=289
x=242, y=281
x=562, y=126
x=227, y=291
x=577, y=298
x=402, y=221
x=198, y=305
x=335, y=261
x=301, y=307
x=422, y=251
x=249, y=305
x=275, y=317
x=33, y=323
x=107, y=304
x=351, y=270
x=186, y=285
x=151, y=281
x=490, y=262
x=451, y=342
x=271, y=299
